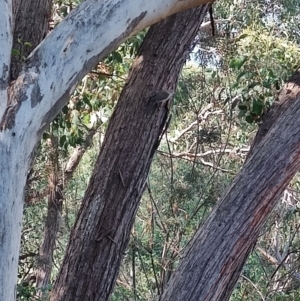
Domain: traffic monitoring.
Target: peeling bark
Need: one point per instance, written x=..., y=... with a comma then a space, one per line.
x=13, y=165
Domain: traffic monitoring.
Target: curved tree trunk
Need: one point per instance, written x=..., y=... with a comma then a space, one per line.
x=30, y=25
x=102, y=230
x=212, y=262
x=49, y=75
x=31, y=22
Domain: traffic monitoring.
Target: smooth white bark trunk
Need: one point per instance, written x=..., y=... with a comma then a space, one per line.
x=88, y=34
x=6, y=38
x=13, y=166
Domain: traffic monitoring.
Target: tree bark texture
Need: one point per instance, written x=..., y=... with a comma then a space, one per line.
x=89, y=33
x=48, y=77
x=57, y=182
x=14, y=165
x=6, y=41
x=55, y=199
x=214, y=258
x=31, y=26
x=102, y=230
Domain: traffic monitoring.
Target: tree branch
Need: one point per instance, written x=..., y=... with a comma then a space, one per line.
x=89, y=33
x=5, y=54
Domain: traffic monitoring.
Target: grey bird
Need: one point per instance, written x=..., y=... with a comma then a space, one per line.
x=163, y=98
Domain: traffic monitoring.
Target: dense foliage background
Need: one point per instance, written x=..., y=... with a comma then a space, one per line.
x=229, y=82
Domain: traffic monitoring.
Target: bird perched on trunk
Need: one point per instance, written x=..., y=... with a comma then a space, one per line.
x=163, y=97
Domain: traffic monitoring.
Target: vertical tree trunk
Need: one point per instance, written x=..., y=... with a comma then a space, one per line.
x=14, y=166
x=57, y=182
x=55, y=199
x=31, y=26
x=101, y=232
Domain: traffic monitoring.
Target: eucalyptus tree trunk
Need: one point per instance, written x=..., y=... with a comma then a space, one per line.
x=213, y=260
x=102, y=229
x=30, y=21
x=31, y=24
x=48, y=77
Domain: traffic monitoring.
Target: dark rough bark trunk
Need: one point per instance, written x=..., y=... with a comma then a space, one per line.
x=31, y=25
x=102, y=230
x=212, y=262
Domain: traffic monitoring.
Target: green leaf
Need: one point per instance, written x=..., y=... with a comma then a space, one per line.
x=79, y=140
x=242, y=113
x=86, y=118
x=68, y=124
x=117, y=57
x=64, y=11
x=75, y=117
x=243, y=107
x=267, y=84
x=271, y=73
x=15, y=52
x=249, y=119
x=87, y=101
x=242, y=36
x=252, y=85
x=257, y=107
x=234, y=85
x=237, y=63
x=72, y=140
x=55, y=131
x=240, y=75
x=46, y=135
x=65, y=109
x=28, y=44
x=62, y=140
